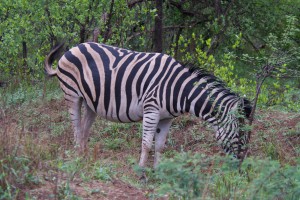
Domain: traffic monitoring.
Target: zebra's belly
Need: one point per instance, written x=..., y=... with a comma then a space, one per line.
x=122, y=115
x=123, y=119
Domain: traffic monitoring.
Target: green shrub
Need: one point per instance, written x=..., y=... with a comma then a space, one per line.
x=188, y=176
x=181, y=176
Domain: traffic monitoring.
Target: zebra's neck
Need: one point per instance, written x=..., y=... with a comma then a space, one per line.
x=208, y=99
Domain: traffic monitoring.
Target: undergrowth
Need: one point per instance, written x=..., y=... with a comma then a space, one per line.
x=29, y=92
x=196, y=176
x=37, y=149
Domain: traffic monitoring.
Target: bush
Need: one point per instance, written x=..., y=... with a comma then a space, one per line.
x=188, y=176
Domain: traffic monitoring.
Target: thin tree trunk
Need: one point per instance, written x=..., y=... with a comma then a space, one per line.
x=51, y=33
x=158, y=27
x=108, y=22
x=96, y=33
x=176, y=42
x=82, y=34
x=25, y=65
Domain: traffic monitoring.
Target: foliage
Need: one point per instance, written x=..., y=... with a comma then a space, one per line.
x=224, y=37
x=73, y=21
x=225, y=67
x=282, y=53
x=276, y=62
x=188, y=176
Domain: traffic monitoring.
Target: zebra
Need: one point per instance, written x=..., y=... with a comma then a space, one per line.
x=121, y=85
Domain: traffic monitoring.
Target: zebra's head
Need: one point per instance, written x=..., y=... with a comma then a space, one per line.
x=231, y=132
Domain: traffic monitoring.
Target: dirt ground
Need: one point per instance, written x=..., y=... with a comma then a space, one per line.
x=92, y=190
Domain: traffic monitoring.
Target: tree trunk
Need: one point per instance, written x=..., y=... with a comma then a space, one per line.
x=177, y=42
x=158, y=27
x=108, y=22
x=82, y=34
x=96, y=33
x=25, y=65
x=218, y=8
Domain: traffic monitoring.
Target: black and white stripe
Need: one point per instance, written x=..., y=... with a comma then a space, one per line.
x=128, y=86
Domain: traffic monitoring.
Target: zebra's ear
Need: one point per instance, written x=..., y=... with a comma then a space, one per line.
x=247, y=107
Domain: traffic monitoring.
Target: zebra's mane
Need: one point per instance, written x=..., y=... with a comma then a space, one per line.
x=203, y=73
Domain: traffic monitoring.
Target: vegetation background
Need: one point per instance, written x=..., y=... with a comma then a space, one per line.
x=253, y=46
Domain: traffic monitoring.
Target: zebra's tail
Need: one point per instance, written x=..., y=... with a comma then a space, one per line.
x=51, y=57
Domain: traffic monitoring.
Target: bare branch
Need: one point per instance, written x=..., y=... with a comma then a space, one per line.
x=181, y=9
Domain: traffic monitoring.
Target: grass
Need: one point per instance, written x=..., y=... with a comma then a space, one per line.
x=38, y=160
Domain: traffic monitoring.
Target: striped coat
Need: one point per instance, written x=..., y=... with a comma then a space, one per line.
x=127, y=86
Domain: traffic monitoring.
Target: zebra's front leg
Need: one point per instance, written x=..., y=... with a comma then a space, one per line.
x=150, y=122
x=160, y=138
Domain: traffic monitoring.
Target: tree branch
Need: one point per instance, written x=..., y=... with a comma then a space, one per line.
x=181, y=9
x=133, y=3
x=158, y=27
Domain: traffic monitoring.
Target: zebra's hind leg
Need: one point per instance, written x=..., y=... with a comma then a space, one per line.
x=86, y=123
x=160, y=138
x=74, y=104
